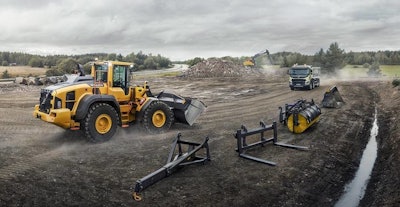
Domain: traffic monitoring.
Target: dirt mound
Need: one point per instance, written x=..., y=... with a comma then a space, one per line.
x=215, y=67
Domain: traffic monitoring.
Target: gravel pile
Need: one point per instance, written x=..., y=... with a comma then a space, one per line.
x=214, y=67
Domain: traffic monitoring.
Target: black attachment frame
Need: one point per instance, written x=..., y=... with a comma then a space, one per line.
x=176, y=159
x=242, y=145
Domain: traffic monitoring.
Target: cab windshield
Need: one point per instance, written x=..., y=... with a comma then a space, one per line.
x=299, y=71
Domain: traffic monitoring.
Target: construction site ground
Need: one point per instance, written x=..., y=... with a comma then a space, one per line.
x=44, y=165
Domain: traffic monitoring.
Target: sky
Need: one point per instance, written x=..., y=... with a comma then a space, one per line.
x=184, y=29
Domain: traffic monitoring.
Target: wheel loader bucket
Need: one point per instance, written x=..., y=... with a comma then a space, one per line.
x=332, y=98
x=186, y=110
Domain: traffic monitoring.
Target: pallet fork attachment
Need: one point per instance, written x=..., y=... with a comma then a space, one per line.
x=176, y=159
x=242, y=145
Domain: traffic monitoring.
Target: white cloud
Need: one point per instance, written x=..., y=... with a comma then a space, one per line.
x=186, y=29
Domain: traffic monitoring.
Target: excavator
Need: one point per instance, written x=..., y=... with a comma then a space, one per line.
x=251, y=62
x=98, y=103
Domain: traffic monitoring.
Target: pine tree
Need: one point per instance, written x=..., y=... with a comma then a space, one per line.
x=334, y=58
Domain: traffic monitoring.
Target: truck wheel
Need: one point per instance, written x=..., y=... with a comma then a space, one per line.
x=311, y=85
x=101, y=122
x=157, y=117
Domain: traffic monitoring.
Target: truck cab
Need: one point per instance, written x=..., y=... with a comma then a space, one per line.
x=304, y=77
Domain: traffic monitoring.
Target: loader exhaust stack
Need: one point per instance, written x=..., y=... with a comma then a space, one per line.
x=332, y=98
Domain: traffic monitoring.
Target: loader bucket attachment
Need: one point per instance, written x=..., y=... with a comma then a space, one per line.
x=186, y=110
x=332, y=98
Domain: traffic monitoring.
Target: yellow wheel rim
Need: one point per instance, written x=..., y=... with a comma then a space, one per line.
x=103, y=123
x=159, y=118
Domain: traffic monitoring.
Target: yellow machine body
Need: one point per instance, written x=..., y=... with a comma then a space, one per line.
x=300, y=115
x=302, y=125
x=100, y=102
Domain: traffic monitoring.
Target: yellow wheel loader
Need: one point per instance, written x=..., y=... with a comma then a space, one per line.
x=100, y=102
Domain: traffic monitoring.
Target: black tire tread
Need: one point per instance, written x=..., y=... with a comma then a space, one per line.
x=88, y=125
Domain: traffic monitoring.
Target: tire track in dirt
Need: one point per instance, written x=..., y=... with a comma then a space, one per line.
x=260, y=104
x=14, y=170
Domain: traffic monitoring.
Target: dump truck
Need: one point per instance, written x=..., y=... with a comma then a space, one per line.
x=303, y=77
x=98, y=103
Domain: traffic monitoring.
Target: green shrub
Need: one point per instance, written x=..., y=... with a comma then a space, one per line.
x=6, y=74
x=396, y=82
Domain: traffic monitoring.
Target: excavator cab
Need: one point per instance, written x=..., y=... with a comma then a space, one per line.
x=251, y=62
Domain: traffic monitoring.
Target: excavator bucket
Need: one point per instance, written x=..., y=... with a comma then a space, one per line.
x=332, y=98
x=186, y=110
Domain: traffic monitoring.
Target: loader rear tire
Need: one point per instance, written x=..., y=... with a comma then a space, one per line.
x=100, y=123
x=157, y=117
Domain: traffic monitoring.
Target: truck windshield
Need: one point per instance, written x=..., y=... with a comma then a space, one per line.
x=299, y=71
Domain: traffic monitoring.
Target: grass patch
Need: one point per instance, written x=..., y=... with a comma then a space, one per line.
x=157, y=75
x=24, y=71
x=360, y=71
x=390, y=70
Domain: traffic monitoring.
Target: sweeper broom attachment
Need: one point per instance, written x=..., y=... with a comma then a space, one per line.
x=300, y=115
x=332, y=98
x=242, y=145
x=177, y=158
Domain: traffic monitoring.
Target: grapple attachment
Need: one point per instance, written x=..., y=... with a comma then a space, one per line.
x=186, y=110
x=332, y=98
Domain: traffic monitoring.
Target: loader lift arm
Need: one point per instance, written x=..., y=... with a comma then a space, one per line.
x=177, y=158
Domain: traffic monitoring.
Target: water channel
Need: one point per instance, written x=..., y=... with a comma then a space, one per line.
x=355, y=190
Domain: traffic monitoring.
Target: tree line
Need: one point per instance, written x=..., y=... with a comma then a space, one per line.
x=330, y=60
x=61, y=64
x=336, y=58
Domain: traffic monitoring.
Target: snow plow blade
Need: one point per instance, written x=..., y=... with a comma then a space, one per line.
x=186, y=110
x=332, y=98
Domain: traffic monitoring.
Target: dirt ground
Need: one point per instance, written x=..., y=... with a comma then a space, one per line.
x=44, y=165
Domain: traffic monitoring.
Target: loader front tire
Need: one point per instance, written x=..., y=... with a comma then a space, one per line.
x=157, y=117
x=100, y=123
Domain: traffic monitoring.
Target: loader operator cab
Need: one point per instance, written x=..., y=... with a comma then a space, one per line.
x=119, y=77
